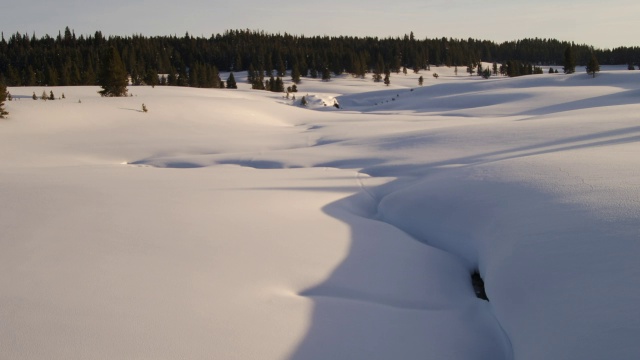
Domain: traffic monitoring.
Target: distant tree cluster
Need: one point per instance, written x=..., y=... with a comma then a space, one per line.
x=68, y=59
x=513, y=68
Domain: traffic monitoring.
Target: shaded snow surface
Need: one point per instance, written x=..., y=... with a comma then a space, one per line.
x=235, y=224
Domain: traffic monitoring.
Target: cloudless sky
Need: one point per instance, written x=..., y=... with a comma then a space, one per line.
x=603, y=24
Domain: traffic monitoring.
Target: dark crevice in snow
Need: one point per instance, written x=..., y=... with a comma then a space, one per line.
x=478, y=285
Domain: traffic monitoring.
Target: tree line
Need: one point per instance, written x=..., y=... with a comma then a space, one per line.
x=67, y=59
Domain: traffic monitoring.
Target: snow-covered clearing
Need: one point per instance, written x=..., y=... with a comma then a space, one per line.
x=230, y=224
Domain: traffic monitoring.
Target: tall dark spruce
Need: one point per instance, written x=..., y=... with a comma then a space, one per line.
x=569, y=60
x=113, y=77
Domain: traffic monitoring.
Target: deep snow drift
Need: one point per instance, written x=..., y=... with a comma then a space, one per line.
x=235, y=224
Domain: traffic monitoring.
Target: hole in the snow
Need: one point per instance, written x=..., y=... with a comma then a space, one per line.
x=478, y=285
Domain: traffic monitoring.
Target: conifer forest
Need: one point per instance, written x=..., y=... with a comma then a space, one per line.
x=67, y=59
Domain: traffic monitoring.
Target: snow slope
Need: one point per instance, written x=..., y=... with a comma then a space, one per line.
x=235, y=224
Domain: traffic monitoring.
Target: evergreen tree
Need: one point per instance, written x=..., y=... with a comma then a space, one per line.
x=295, y=74
x=420, y=80
x=216, y=82
x=43, y=96
x=279, y=85
x=51, y=97
x=3, y=96
x=593, y=66
x=326, y=74
x=151, y=78
x=251, y=74
x=630, y=66
x=113, y=77
x=569, y=60
x=387, y=81
x=34, y=97
x=231, y=82
x=303, y=101
x=270, y=84
x=551, y=70
x=172, y=79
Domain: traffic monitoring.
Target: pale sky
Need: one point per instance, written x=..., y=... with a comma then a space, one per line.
x=603, y=24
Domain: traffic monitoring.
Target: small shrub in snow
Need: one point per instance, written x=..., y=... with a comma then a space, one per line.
x=144, y=108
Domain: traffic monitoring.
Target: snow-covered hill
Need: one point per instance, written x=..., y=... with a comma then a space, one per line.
x=236, y=224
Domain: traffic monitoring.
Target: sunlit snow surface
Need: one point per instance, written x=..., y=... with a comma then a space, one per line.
x=235, y=224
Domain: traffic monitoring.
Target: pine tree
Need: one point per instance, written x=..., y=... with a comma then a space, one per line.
x=231, y=82
x=420, y=80
x=34, y=97
x=593, y=66
x=113, y=77
x=51, y=97
x=144, y=108
x=387, y=81
x=279, y=85
x=44, y=95
x=3, y=96
x=326, y=74
x=295, y=74
x=303, y=101
x=569, y=60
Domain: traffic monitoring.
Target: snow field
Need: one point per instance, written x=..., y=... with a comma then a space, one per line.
x=230, y=224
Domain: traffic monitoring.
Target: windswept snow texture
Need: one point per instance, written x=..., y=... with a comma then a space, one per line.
x=236, y=224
